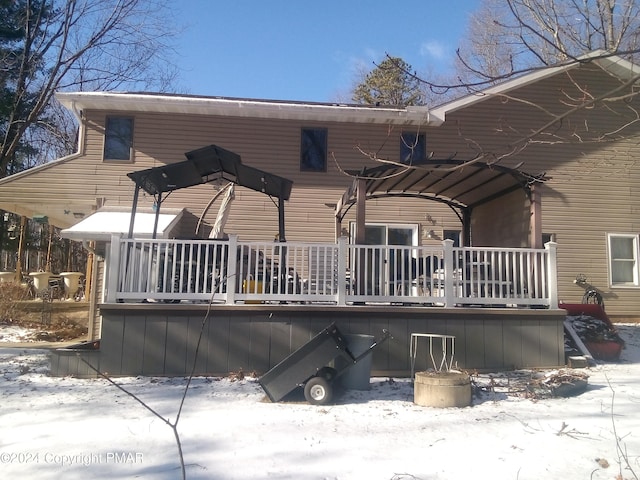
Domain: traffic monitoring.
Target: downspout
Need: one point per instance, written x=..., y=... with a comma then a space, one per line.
x=78, y=115
x=91, y=273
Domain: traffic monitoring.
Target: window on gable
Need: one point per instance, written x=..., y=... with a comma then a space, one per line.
x=313, y=150
x=623, y=260
x=413, y=147
x=118, y=138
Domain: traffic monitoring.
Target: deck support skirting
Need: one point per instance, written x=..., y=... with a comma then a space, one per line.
x=160, y=339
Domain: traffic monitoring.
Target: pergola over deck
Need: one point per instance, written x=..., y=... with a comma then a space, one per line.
x=462, y=185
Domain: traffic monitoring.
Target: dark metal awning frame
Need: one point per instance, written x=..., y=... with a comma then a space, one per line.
x=205, y=165
x=462, y=185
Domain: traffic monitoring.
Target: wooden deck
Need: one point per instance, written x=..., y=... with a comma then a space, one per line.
x=260, y=301
x=161, y=339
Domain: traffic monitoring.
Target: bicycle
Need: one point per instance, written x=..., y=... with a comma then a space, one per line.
x=592, y=294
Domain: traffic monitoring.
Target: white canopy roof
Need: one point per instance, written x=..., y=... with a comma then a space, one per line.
x=104, y=223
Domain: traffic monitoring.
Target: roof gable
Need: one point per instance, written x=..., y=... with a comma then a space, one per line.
x=615, y=65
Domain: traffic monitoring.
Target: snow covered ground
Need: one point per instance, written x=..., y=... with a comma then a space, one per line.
x=53, y=428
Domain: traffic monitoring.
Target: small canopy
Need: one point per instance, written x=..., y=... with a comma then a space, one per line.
x=206, y=165
x=106, y=222
x=461, y=185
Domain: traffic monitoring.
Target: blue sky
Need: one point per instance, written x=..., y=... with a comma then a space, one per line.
x=309, y=50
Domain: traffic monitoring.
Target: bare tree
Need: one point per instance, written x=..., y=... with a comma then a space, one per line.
x=510, y=36
x=80, y=45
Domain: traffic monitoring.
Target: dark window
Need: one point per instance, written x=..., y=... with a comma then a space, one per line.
x=313, y=150
x=452, y=235
x=413, y=147
x=118, y=138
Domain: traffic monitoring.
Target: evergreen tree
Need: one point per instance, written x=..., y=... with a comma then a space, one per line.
x=19, y=67
x=390, y=83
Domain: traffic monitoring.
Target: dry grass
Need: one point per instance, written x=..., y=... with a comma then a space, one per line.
x=47, y=322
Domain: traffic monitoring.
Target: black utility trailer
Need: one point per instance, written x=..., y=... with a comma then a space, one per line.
x=309, y=366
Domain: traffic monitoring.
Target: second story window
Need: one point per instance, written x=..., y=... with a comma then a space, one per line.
x=313, y=150
x=413, y=147
x=118, y=138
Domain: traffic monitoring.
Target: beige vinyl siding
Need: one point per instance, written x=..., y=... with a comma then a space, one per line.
x=592, y=190
x=270, y=145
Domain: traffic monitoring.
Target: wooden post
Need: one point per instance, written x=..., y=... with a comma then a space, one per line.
x=48, y=263
x=535, y=221
x=23, y=223
x=88, y=277
x=361, y=212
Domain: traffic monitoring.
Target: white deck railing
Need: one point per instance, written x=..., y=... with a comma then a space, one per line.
x=256, y=272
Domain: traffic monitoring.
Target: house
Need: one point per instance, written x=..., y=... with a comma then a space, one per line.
x=511, y=167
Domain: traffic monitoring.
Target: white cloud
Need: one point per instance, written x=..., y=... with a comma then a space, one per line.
x=433, y=49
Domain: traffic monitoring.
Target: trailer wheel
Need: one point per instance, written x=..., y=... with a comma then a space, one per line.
x=327, y=373
x=318, y=391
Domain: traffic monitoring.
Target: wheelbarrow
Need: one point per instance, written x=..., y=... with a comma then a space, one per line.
x=308, y=367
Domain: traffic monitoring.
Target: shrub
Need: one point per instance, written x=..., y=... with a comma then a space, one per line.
x=10, y=296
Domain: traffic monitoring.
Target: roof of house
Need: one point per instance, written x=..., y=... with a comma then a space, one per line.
x=329, y=112
x=242, y=107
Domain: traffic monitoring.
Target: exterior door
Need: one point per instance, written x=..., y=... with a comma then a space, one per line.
x=383, y=264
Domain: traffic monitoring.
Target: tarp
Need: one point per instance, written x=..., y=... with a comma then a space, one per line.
x=223, y=213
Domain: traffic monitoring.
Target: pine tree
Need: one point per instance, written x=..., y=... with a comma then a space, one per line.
x=390, y=83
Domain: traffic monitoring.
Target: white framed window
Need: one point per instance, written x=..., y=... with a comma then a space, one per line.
x=387, y=233
x=623, y=260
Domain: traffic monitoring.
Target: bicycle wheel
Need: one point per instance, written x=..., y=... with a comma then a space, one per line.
x=593, y=296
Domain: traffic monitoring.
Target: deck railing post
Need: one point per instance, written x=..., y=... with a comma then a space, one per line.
x=113, y=269
x=232, y=269
x=552, y=273
x=447, y=256
x=342, y=270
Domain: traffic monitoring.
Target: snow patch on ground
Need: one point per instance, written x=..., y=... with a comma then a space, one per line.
x=86, y=428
